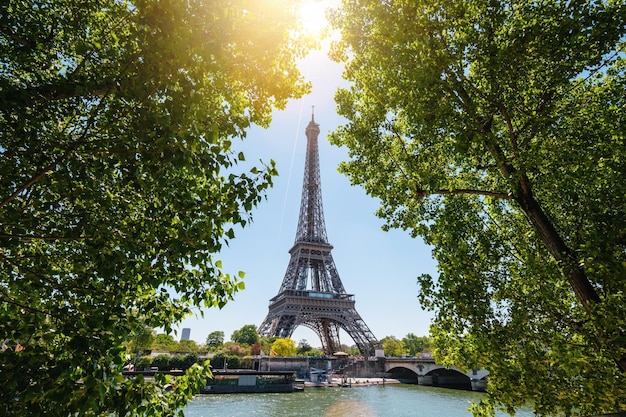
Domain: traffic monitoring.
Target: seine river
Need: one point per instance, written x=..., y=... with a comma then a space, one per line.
x=396, y=400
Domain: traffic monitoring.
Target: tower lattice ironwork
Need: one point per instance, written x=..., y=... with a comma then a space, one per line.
x=311, y=293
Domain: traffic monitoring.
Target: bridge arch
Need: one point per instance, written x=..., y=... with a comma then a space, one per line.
x=446, y=378
x=405, y=374
x=430, y=373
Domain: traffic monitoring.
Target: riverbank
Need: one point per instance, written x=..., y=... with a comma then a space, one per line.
x=351, y=382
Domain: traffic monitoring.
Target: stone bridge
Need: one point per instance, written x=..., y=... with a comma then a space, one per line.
x=421, y=371
x=427, y=372
x=415, y=370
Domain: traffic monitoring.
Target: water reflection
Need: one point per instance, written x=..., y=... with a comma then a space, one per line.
x=349, y=408
x=396, y=400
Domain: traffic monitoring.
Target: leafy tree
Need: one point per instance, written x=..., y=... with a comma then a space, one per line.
x=176, y=362
x=144, y=363
x=234, y=362
x=162, y=361
x=189, y=360
x=256, y=348
x=119, y=182
x=284, y=346
x=189, y=346
x=416, y=344
x=303, y=347
x=141, y=340
x=497, y=133
x=235, y=349
x=164, y=343
x=183, y=362
x=317, y=352
x=267, y=342
x=392, y=346
x=215, y=340
x=354, y=351
x=344, y=348
x=247, y=335
x=223, y=360
x=218, y=360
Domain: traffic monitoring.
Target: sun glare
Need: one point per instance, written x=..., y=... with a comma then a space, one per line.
x=313, y=16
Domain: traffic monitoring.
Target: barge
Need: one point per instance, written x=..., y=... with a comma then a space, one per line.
x=250, y=381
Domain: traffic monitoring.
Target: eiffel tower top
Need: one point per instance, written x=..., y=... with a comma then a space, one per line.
x=311, y=225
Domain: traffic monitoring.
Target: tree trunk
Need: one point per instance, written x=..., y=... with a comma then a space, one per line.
x=559, y=250
x=570, y=265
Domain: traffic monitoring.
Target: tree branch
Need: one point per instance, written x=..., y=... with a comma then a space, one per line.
x=465, y=191
x=60, y=90
x=19, y=39
x=51, y=166
x=45, y=238
x=512, y=134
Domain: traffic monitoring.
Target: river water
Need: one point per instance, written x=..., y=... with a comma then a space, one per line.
x=398, y=400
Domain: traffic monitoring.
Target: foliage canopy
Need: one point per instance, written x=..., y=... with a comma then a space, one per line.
x=393, y=346
x=416, y=344
x=247, y=335
x=119, y=183
x=283, y=346
x=215, y=339
x=496, y=131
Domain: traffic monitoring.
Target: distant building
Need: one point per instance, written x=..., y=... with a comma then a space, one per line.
x=186, y=334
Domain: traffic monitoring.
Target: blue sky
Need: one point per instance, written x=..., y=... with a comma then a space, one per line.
x=379, y=268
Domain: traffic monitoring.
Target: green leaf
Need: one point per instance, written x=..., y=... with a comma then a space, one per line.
x=505, y=151
x=117, y=125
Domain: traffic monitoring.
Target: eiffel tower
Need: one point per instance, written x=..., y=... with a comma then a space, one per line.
x=311, y=293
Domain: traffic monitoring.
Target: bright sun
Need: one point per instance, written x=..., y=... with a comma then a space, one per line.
x=313, y=17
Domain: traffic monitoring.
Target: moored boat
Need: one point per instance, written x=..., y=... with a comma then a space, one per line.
x=250, y=381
